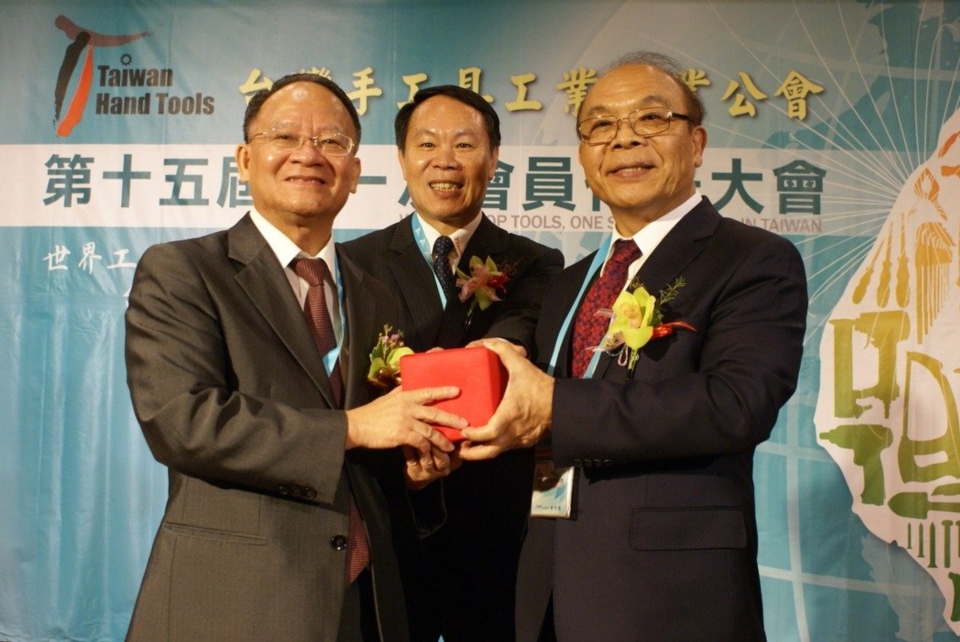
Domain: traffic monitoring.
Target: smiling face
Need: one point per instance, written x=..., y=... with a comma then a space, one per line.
x=301, y=191
x=641, y=178
x=447, y=162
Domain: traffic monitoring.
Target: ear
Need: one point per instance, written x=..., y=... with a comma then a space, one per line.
x=403, y=167
x=699, y=144
x=492, y=170
x=355, y=179
x=243, y=162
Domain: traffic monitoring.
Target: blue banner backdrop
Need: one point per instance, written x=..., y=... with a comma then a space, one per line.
x=829, y=122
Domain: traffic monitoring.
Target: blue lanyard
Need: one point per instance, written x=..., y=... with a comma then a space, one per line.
x=427, y=253
x=595, y=266
x=330, y=359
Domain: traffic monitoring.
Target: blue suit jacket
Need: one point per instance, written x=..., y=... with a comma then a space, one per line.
x=663, y=541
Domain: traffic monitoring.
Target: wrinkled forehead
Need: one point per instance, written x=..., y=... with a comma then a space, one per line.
x=631, y=87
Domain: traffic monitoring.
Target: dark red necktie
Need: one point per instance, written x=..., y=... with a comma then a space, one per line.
x=588, y=328
x=318, y=319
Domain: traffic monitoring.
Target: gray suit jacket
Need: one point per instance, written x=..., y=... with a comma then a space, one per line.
x=232, y=397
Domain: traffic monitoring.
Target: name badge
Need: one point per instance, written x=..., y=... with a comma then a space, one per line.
x=552, y=489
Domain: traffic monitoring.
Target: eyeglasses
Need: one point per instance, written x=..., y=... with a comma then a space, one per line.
x=600, y=130
x=330, y=144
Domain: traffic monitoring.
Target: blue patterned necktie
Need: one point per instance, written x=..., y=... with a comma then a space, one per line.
x=441, y=265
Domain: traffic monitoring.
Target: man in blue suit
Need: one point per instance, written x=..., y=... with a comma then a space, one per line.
x=660, y=541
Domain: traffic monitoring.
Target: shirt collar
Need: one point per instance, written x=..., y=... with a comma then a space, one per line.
x=286, y=250
x=459, y=237
x=650, y=235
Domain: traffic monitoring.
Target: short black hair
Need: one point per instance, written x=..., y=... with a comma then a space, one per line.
x=256, y=102
x=469, y=98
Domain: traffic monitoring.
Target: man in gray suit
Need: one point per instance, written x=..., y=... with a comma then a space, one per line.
x=276, y=527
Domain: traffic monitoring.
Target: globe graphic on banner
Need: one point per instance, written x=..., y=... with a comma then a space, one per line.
x=887, y=410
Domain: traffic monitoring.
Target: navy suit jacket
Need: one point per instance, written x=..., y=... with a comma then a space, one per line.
x=393, y=256
x=470, y=562
x=663, y=541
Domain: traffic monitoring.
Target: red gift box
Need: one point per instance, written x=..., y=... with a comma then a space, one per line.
x=476, y=371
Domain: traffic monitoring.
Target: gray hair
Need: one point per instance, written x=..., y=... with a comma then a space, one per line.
x=694, y=103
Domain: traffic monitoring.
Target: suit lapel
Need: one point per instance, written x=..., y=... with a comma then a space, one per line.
x=263, y=279
x=562, y=298
x=362, y=330
x=678, y=248
x=415, y=284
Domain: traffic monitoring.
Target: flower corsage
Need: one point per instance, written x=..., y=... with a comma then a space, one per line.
x=637, y=317
x=483, y=282
x=385, y=358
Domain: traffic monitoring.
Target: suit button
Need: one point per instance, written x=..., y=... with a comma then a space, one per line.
x=338, y=542
x=608, y=462
x=284, y=490
x=310, y=493
x=577, y=462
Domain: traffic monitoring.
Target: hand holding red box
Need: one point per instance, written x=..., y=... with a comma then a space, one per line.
x=476, y=371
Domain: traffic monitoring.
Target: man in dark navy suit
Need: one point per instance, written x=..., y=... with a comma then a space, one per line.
x=459, y=580
x=657, y=438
